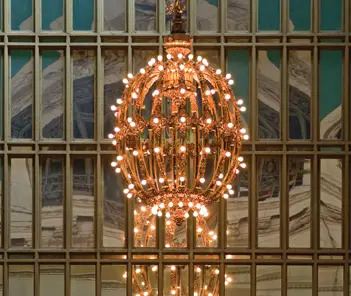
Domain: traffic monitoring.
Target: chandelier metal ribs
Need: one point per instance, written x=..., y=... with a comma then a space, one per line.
x=178, y=133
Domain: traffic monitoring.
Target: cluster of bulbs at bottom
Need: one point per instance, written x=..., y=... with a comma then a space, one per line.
x=173, y=291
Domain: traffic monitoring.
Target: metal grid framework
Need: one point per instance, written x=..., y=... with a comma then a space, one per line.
x=282, y=149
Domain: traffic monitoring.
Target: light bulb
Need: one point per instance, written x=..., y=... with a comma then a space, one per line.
x=228, y=154
x=202, y=180
x=119, y=157
x=182, y=179
x=190, y=204
x=182, y=91
x=218, y=71
x=229, y=186
x=228, y=76
x=129, y=195
x=209, y=120
x=246, y=137
x=202, y=68
x=240, y=158
x=113, y=164
x=182, y=148
x=161, y=180
x=160, y=68
x=169, y=56
x=111, y=136
x=208, y=150
x=130, y=75
x=227, y=96
x=243, y=131
x=131, y=186
x=117, y=129
x=135, y=153
x=243, y=109
x=160, y=58
x=117, y=170
x=240, y=102
x=180, y=56
x=181, y=67
x=225, y=195
x=199, y=58
x=219, y=183
x=195, y=214
x=180, y=204
x=190, y=56
x=230, y=125
x=132, y=124
x=157, y=149
x=170, y=204
x=182, y=119
x=125, y=80
x=156, y=120
x=142, y=71
x=119, y=101
x=154, y=268
x=207, y=92
x=243, y=165
x=143, y=182
x=113, y=108
x=231, y=191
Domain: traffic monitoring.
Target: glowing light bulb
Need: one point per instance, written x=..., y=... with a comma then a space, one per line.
x=218, y=71
x=117, y=129
x=180, y=56
x=202, y=68
x=167, y=245
x=227, y=96
x=243, y=131
x=182, y=91
x=132, y=124
x=154, y=268
x=131, y=186
x=119, y=101
x=119, y=157
x=243, y=165
x=231, y=82
x=195, y=214
x=169, y=56
x=143, y=182
x=160, y=58
x=117, y=170
x=113, y=108
x=240, y=102
x=173, y=268
x=160, y=68
x=186, y=215
x=159, y=214
x=182, y=148
x=225, y=195
x=181, y=67
x=246, y=137
x=190, y=204
x=111, y=136
x=207, y=92
x=130, y=75
x=240, y=158
x=182, y=179
x=142, y=71
x=157, y=149
x=228, y=76
x=219, y=183
x=113, y=164
x=135, y=153
x=229, y=186
x=243, y=109
x=198, y=269
x=231, y=191
x=161, y=180
x=180, y=204
x=208, y=150
x=217, y=271
x=168, y=215
x=199, y=58
x=129, y=195
x=202, y=180
x=208, y=120
x=125, y=80
x=230, y=125
x=228, y=154
x=190, y=56
x=156, y=120
x=170, y=204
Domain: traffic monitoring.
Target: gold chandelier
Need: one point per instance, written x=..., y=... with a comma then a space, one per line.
x=178, y=133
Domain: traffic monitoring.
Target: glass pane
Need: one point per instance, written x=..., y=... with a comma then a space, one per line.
x=175, y=234
x=238, y=15
x=212, y=55
x=269, y=99
x=115, y=15
x=268, y=280
x=21, y=203
x=300, y=93
x=52, y=280
x=207, y=15
x=330, y=92
x=300, y=15
x=141, y=57
x=22, y=79
x=207, y=228
x=206, y=278
x=82, y=280
x=114, y=207
x=52, y=207
x=299, y=203
x=330, y=203
x=237, y=280
x=331, y=18
x=145, y=279
x=1, y=91
x=115, y=67
x=83, y=93
x=144, y=227
x=175, y=279
x=53, y=93
x=113, y=280
x=238, y=212
x=84, y=15
x=268, y=203
x=239, y=67
x=83, y=203
x=21, y=280
x=22, y=15
x=299, y=280
x=145, y=15
x=268, y=15
x=52, y=15
x=330, y=280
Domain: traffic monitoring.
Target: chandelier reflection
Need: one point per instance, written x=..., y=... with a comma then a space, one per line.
x=178, y=134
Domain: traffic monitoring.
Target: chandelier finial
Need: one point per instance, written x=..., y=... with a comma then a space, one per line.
x=176, y=9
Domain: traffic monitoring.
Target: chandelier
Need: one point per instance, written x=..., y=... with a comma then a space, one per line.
x=178, y=133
